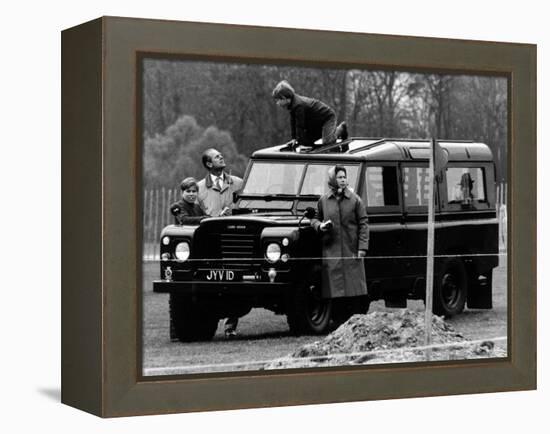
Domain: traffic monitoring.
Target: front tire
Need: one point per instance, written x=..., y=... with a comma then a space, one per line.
x=308, y=312
x=190, y=320
x=450, y=289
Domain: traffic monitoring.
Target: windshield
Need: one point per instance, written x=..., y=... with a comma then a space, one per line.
x=274, y=178
x=271, y=181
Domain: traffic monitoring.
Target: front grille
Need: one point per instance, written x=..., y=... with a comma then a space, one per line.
x=227, y=243
x=239, y=247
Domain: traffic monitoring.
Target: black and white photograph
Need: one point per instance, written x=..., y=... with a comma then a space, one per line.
x=377, y=262
x=313, y=216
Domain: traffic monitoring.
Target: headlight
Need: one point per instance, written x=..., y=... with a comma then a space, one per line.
x=273, y=252
x=183, y=251
x=165, y=240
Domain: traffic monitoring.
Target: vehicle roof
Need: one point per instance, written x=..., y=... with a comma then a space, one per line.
x=380, y=149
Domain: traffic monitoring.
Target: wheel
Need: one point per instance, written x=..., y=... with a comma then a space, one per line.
x=190, y=321
x=450, y=289
x=308, y=312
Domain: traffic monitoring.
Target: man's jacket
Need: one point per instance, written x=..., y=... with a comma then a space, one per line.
x=212, y=199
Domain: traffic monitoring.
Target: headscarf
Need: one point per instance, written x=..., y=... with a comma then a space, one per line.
x=332, y=183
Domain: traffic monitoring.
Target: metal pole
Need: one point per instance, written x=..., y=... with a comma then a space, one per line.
x=145, y=228
x=430, y=253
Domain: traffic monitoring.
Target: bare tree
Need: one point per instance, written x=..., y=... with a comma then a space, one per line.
x=438, y=89
x=236, y=98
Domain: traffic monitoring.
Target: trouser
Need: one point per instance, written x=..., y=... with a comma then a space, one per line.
x=329, y=131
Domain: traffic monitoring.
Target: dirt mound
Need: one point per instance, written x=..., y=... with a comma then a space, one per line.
x=385, y=337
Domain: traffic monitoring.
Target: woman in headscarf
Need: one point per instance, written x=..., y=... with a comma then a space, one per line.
x=342, y=221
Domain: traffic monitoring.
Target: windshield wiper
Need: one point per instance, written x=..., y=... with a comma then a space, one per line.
x=282, y=196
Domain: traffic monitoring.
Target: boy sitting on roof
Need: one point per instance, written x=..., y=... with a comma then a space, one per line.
x=310, y=119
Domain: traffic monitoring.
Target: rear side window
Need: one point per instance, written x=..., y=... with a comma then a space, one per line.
x=381, y=186
x=465, y=185
x=415, y=186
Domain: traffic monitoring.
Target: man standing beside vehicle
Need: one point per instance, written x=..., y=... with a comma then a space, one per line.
x=216, y=199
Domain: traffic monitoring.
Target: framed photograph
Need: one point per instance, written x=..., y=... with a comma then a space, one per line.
x=282, y=217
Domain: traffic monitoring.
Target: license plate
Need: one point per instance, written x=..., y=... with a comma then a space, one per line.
x=218, y=275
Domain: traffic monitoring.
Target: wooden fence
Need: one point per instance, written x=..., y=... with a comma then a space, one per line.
x=502, y=191
x=156, y=215
x=502, y=215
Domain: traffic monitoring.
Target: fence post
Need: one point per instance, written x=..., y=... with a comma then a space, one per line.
x=145, y=228
x=499, y=198
x=176, y=194
x=167, y=210
x=151, y=221
x=163, y=210
x=156, y=211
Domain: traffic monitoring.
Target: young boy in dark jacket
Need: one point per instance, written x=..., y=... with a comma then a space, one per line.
x=186, y=211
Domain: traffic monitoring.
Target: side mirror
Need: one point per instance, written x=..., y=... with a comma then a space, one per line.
x=309, y=212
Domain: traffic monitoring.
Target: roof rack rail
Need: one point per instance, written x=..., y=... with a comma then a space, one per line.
x=370, y=145
x=343, y=145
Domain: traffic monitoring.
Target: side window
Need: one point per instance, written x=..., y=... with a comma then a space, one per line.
x=465, y=185
x=381, y=186
x=315, y=181
x=415, y=186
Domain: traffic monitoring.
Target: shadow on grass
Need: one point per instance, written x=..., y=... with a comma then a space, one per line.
x=247, y=337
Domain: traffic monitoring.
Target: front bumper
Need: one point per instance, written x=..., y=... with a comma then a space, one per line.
x=221, y=288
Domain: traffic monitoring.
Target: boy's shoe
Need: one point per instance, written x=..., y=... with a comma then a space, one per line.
x=230, y=334
x=342, y=131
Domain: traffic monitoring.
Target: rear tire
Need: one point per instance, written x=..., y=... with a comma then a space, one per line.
x=308, y=312
x=450, y=289
x=190, y=320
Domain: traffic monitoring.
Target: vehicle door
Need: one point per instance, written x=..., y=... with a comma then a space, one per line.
x=415, y=185
x=382, y=197
x=468, y=214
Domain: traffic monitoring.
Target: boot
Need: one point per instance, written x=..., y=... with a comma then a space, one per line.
x=342, y=131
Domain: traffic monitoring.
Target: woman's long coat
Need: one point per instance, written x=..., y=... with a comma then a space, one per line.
x=343, y=271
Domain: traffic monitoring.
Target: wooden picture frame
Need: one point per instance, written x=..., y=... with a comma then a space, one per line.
x=101, y=310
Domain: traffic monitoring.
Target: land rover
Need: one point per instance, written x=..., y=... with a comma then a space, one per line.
x=266, y=254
